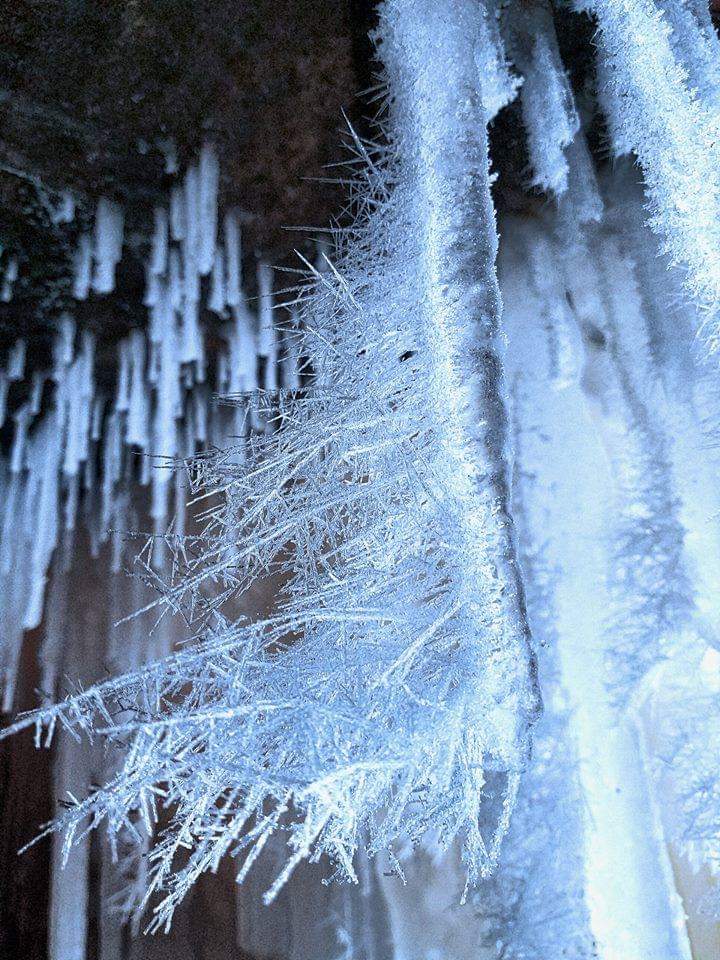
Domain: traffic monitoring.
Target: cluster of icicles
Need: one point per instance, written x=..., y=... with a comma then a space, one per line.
x=163, y=407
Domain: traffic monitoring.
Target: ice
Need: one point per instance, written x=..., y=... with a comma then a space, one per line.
x=138, y=405
x=233, y=254
x=209, y=177
x=122, y=391
x=267, y=336
x=177, y=213
x=217, y=300
x=498, y=84
x=159, y=250
x=675, y=133
x=16, y=361
x=108, y=241
x=83, y=267
x=549, y=114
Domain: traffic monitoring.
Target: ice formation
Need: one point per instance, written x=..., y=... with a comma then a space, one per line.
x=672, y=126
x=159, y=392
x=366, y=460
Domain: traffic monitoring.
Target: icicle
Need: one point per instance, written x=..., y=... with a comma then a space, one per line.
x=498, y=86
x=10, y=511
x=82, y=266
x=696, y=46
x=671, y=319
x=187, y=376
x=4, y=385
x=177, y=214
x=583, y=194
x=622, y=142
x=38, y=382
x=70, y=877
x=209, y=180
x=217, y=300
x=191, y=344
x=180, y=502
x=243, y=352
x=162, y=315
x=267, y=341
x=122, y=393
x=67, y=208
x=145, y=470
x=233, y=252
x=548, y=107
x=97, y=420
x=11, y=271
x=200, y=405
x=191, y=200
x=159, y=251
x=138, y=406
x=168, y=410
x=188, y=431
x=292, y=359
x=674, y=133
x=152, y=288
x=119, y=529
x=566, y=349
x=175, y=281
x=109, y=222
x=222, y=385
x=72, y=497
x=169, y=151
x=63, y=347
x=16, y=361
x=46, y=456
x=111, y=468
x=51, y=653
x=79, y=393
x=454, y=281
x=17, y=452
x=64, y=212
x=11, y=275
